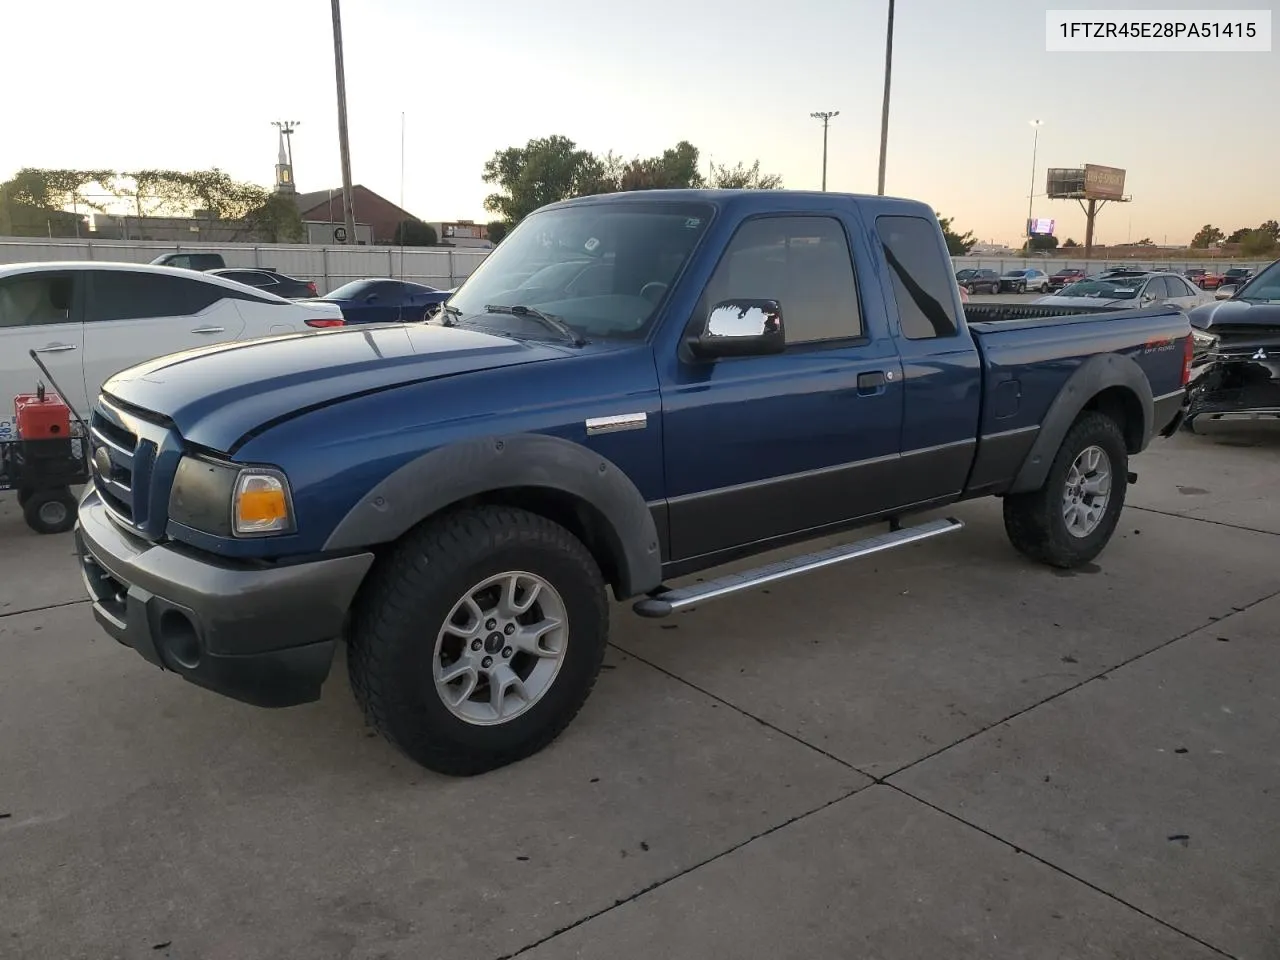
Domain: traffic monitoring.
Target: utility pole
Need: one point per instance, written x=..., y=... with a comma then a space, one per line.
x=1035, y=146
x=344, y=146
x=825, y=116
x=884, y=110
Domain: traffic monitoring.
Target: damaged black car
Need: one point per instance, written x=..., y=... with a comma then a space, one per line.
x=1235, y=373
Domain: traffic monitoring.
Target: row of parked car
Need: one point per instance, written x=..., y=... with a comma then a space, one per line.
x=372, y=300
x=1033, y=280
x=86, y=320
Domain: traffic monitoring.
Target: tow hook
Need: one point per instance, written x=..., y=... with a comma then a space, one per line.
x=1133, y=478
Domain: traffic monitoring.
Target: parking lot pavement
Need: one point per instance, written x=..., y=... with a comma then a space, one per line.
x=852, y=763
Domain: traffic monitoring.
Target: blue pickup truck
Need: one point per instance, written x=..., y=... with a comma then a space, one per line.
x=630, y=389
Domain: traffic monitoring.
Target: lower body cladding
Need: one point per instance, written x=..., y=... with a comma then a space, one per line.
x=262, y=635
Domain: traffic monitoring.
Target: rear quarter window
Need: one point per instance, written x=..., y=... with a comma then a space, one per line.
x=922, y=284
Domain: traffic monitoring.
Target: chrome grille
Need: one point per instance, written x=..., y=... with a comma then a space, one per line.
x=132, y=460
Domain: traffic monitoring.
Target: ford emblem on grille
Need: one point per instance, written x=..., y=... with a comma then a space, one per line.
x=102, y=462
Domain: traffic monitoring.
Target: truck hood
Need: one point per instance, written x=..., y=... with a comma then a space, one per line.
x=1233, y=313
x=217, y=395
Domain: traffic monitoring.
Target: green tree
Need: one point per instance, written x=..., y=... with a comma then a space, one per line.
x=958, y=244
x=1206, y=236
x=1040, y=242
x=414, y=233
x=276, y=220
x=496, y=231
x=542, y=171
x=1238, y=235
x=1069, y=244
x=743, y=177
x=60, y=189
x=1257, y=243
x=1271, y=228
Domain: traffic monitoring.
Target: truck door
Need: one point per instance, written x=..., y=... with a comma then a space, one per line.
x=941, y=368
x=766, y=446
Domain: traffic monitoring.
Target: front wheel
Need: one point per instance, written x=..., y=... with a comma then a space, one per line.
x=479, y=639
x=1071, y=518
x=1022, y=288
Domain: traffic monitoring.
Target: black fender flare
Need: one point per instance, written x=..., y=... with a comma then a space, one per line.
x=434, y=481
x=1095, y=375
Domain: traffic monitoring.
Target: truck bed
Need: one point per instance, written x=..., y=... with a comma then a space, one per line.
x=1030, y=359
x=1001, y=312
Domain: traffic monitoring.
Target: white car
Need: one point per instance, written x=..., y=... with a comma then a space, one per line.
x=1127, y=292
x=87, y=321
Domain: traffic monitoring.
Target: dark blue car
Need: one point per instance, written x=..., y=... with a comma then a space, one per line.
x=385, y=301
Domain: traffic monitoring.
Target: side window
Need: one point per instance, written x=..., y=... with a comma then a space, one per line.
x=182, y=260
x=916, y=263
x=1157, y=288
x=252, y=277
x=1180, y=288
x=386, y=290
x=802, y=262
x=31, y=300
x=126, y=295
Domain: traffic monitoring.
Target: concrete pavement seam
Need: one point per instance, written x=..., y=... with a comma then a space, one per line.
x=746, y=713
x=47, y=606
x=1187, y=516
x=687, y=870
x=1076, y=686
x=1062, y=870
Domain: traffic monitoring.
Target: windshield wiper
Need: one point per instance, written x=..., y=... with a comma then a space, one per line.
x=546, y=319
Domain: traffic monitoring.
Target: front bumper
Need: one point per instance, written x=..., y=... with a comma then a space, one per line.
x=264, y=635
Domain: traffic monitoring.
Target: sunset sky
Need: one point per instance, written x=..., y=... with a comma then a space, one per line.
x=138, y=87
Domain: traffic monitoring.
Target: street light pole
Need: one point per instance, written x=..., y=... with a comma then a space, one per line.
x=825, y=116
x=1035, y=146
x=344, y=146
x=884, y=110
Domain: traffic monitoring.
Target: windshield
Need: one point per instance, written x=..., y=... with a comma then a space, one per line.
x=1015, y=273
x=603, y=268
x=1067, y=273
x=1264, y=287
x=1103, y=290
x=965, y=274
x=350, y=291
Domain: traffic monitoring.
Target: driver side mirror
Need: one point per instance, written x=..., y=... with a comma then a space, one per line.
x=1226, y=293
x=740, y=328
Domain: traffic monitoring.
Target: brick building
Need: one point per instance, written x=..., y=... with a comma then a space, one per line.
x=382, y=216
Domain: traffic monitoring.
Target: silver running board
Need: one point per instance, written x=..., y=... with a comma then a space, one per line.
x=664, y=602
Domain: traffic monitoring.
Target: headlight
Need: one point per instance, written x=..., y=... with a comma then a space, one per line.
x=1203, y=341
x=226, y=499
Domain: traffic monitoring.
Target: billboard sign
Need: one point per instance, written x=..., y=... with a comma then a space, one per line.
x=1103, y=183
x=1040, y=227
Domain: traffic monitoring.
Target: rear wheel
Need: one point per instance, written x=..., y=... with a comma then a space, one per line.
x=50, y=511
x=1071, y=518
x=479, y=639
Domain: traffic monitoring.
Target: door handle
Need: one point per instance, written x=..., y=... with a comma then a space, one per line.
x=869, y=384
x=56, y=348
x=209, y=330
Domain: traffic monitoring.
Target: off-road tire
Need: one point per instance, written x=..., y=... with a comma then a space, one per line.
x=1034, y=521
x=50, y=511
x=391, y=643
